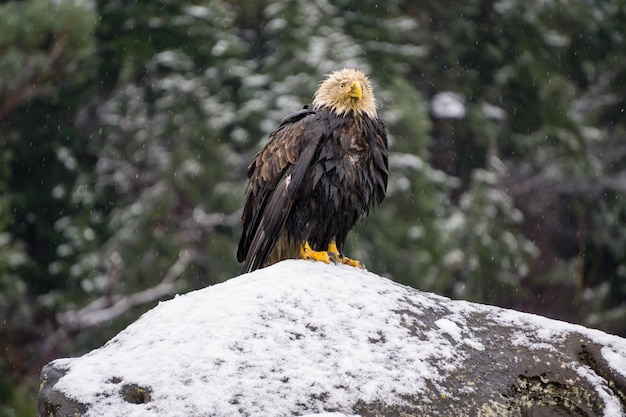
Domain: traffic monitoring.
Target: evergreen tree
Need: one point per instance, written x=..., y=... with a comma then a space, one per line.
x=45, y=53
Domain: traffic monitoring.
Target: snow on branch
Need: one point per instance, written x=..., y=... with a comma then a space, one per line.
x=109, y=307
x=106, y=308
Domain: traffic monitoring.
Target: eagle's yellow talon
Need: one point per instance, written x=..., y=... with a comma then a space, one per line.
x=332, y=249
x=306, y=252
x=331, y=255
x=353, y=262
x=334, y=258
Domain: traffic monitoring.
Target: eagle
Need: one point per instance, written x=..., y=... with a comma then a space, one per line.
x=322, y=169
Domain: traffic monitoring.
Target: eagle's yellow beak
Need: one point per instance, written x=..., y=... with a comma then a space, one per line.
x=355, y=90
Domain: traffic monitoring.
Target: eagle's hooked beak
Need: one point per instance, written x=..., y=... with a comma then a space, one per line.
x=355, y=90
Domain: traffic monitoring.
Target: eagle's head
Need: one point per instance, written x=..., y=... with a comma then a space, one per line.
x=344, y=91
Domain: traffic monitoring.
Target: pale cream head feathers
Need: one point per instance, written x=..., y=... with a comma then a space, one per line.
x=346, y=90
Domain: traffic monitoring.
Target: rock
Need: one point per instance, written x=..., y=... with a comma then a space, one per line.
x=303, y=338
x=53, y=402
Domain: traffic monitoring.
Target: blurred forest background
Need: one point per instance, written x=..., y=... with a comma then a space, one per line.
x=126, y=128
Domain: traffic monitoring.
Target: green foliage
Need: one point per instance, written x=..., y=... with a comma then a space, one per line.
x=18, y=402
x=482, y=237
x=42, y=41
x=46, y=52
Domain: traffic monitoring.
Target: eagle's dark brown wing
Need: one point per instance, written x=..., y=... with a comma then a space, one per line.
x=275, y=176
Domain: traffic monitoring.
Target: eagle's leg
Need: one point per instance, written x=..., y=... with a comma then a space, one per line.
x=332, y=249
x=306, y=252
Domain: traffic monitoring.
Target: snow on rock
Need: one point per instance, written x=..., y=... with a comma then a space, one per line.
x=307, y=339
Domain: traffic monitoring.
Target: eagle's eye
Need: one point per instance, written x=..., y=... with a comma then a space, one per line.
x=342, y=85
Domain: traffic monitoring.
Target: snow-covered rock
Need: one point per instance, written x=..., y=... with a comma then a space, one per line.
x=307, y=339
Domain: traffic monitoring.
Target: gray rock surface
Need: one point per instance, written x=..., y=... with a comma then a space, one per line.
x=303, y=338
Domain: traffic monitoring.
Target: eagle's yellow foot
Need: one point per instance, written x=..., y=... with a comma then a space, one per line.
x=332, y=249
x=306, y=252
x=352, y=262
x=328, y=256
